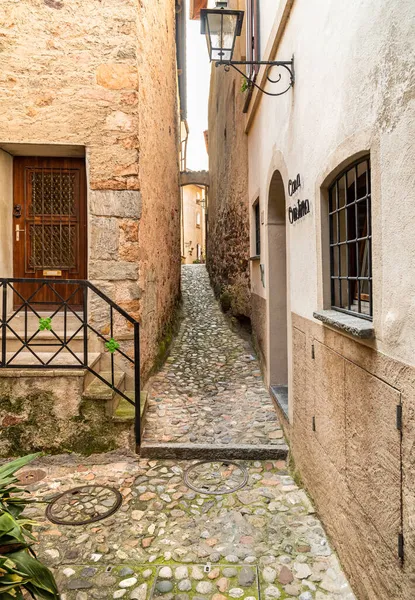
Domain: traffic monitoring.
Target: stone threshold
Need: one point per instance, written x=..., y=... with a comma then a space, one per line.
x=279, y=393
x=213, y=451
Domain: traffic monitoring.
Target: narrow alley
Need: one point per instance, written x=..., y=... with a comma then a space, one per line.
x=210, y=392
x=186, y=530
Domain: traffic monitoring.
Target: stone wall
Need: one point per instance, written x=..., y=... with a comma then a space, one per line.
x=159, y=252
x=47, y=413
x=350, y=458
x=103, y=75
x=228, y=215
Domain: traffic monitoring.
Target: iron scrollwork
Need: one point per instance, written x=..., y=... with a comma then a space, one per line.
x=288, y=65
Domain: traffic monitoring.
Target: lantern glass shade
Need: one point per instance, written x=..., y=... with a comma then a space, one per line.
x=221, y=28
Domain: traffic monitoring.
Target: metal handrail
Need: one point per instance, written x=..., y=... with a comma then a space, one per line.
x=65, y=304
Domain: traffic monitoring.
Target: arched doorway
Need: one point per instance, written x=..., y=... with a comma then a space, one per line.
x=277, y=292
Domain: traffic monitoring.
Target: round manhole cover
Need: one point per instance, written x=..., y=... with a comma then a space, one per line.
x=31, y=477
x=216, y=477
x=83, y=505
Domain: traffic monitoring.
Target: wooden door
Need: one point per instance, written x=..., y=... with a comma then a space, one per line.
x=49, y=227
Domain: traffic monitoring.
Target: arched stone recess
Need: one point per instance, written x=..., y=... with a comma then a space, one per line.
x=277, y=283
x=194, y=178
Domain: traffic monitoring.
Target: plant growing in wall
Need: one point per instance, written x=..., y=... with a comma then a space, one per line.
x=20, y=571
x=244, y=84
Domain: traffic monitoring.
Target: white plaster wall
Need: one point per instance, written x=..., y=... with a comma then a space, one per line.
x=354, y=64
x=6, y=219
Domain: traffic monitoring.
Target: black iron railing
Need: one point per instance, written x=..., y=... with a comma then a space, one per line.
x=20, y=299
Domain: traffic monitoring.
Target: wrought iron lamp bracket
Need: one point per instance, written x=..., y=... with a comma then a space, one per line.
x=288, y=65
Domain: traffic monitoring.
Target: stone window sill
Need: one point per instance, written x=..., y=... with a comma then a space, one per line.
x=256, y=257
x=356, y=326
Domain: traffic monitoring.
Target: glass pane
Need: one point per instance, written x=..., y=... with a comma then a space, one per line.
x=342, y=191
x=333, y=228
x=336, y=300
x=52, y=246
x=53, y=193
x=364, y=258
x=362, y=218
x=351, y=192
x=351, y=251
x=351, y=222
x=342, y=223
x=335, y=261
x=332, y=199
x=345, y=294
x=222, y=32
x=362, y=179
x=343, y=260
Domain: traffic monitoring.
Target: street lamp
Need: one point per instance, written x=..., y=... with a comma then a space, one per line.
x=222, y=26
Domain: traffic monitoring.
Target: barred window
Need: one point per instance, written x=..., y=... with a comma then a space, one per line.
x=257, y=230
x=351, y=241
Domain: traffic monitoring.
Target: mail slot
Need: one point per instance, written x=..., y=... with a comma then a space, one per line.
x=52, y=273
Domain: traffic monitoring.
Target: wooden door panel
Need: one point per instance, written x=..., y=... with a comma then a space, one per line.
x=49, y=226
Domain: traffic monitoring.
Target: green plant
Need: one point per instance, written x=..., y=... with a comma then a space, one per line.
x=19, y=568
x=244, y=84
x=45, y=323
x=112, y=345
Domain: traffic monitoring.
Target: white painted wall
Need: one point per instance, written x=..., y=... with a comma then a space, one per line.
x=354, y=64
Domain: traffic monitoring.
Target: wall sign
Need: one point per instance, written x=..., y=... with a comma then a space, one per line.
x=294, y=185
x=303, y=206
x=299, y=211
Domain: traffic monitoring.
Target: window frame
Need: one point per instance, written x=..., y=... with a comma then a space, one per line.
x=257, y=228
x=252, y=36
x=357, y=242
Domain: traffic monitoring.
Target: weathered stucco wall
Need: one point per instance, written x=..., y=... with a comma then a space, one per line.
x=228, y=248
x=353, y=94
x=159, y=251
x=351, y=460
x=47, y=413
x=103, y=75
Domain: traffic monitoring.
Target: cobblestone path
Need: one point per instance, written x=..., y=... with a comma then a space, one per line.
x=168, y=542
x=210, y=390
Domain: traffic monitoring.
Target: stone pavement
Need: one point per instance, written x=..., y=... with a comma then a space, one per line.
x=168, y=542
x=210, y=390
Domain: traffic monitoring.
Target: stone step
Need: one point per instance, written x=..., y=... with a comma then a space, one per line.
x=213, y=451
x=125, y=410
x=98, y=390
x=44, y=341
x=73, y=319
x=58, y=364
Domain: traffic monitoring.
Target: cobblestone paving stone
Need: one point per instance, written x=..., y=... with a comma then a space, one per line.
x=264, y=538
x=210, y=389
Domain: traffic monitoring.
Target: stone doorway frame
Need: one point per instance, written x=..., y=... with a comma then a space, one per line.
x=8, y=151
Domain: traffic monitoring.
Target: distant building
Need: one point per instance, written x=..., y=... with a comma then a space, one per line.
x=193, y=231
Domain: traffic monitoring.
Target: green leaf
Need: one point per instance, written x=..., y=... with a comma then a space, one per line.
x=112, y=345
x=45, y=323
x=13, y=466
x=41, y=581
x=10, y=531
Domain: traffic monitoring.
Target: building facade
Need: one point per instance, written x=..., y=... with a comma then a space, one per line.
x=89, y=167
x=89, y=87
x=330, y=190
x=193, y=233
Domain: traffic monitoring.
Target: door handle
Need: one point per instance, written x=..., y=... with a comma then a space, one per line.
x=18, y=232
